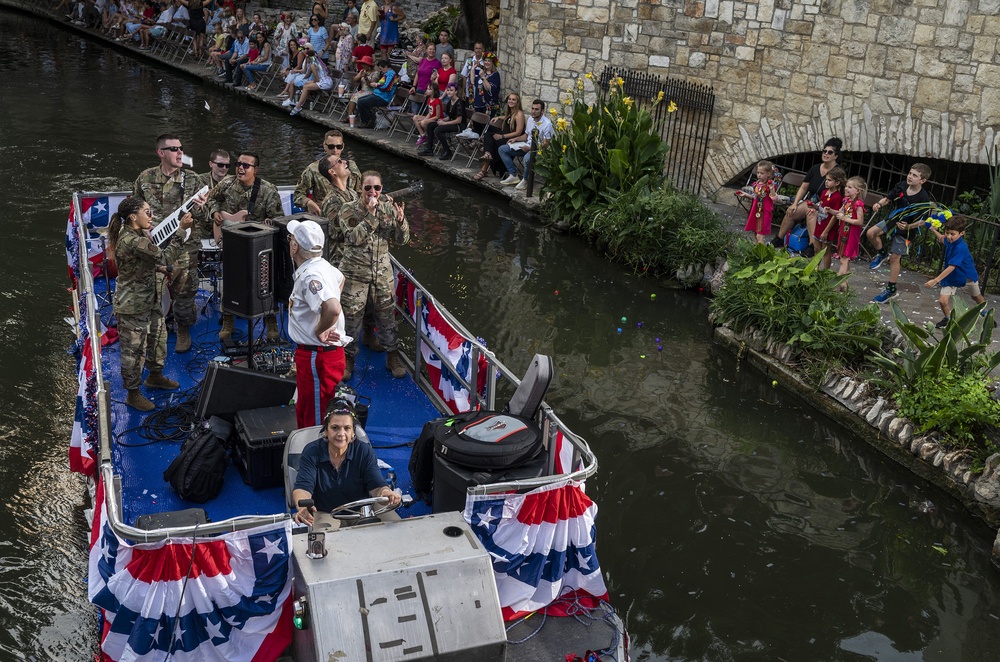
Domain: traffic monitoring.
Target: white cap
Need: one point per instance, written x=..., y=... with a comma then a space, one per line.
x=308, y=234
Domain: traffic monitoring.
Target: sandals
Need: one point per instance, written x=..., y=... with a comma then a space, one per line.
x=481, y=175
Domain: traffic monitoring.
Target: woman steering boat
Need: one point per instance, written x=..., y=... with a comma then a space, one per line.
x=333, y=471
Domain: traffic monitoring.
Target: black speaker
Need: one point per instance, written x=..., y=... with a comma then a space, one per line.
x=228, y=389
x=284, y=267
x=248, y=269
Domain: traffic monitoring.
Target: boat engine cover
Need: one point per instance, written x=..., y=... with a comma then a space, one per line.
x=417, y=589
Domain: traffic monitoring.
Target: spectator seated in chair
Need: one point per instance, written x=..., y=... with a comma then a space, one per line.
x=522, y=144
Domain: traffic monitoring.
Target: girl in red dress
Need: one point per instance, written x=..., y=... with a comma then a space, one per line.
x=821, y=215
x=852, y=218
x=765, y=190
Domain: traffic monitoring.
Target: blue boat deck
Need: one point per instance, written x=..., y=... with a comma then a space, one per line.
x=398, y=411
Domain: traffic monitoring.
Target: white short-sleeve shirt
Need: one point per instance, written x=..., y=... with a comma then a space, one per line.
x=316, y=281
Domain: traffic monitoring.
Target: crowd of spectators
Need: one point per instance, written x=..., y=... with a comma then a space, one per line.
x=358, y=54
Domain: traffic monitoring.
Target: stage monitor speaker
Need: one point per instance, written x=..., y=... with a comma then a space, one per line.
x=248, y=269
x=228, y=389
x=284, y=267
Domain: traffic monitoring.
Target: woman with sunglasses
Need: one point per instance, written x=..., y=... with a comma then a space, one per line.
x=137, y=302
x=809, y=191
x=371, y=226
x=318, y=36
x=511, y=126
x=334, y=469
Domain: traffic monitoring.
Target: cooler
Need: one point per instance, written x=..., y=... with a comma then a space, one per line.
x=260, y=444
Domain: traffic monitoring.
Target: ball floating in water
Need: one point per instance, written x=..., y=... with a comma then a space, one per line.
x=642, y=356
x=652, y=296
x=659, y=348
x=657, y=340
x=557, y=292
x=619, y=329
x=774, y=383
x=624, y=319
x=639, y=325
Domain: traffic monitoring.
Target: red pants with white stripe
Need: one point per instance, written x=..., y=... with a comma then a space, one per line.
x=317, y=374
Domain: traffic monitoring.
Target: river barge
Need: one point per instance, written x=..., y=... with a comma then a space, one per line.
x=489, y=565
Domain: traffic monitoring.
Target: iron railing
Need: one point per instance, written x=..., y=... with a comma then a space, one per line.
x=686, y=130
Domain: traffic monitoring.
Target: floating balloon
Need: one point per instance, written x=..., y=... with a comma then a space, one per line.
x=652, y=296
x=619, y=329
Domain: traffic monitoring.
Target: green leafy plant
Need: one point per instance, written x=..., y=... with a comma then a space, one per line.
x=599, y=150
x=960, y=349
x=957, y=405
x=443, y=19
x=791, y=300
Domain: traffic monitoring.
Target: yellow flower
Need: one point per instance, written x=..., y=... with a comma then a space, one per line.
x=579, y=83
x=590, y=107
x=588, y=75
x=659, y=97
x=561, y=123
x=619, y=81
x=671, y=107
x=564, y=148
x=627, y=101
x=553, y=111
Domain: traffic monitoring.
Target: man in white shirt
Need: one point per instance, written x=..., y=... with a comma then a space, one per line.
x=470, y=71
x=522, y=144
x=315, y=322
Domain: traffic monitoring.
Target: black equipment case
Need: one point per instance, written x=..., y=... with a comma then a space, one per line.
x=487, y=440
x=260, y=443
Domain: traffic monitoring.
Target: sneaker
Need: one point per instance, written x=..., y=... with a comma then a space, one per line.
x=809, y=251
x=509, y=179
x=281, y=96
x=445, y=156
x=878, y=260
x=522, y=185
x=426, y=151
x=885, y=295
x=295, y=111
x=778, y=242
x=943, y=323
x=287, y=103
x=421, y=140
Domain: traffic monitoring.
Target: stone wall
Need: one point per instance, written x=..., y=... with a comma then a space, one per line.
x=916, y=77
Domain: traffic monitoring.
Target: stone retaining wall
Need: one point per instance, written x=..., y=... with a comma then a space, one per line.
x=916, y=77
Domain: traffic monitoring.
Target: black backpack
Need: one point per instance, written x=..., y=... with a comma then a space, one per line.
x=197, y=471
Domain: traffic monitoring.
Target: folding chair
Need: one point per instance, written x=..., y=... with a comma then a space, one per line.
x=405, y=120
x=270, y=75
x=472, y=147
x=387, y=114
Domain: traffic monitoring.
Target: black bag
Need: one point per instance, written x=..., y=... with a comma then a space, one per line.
x=422, y=459
x=487, y=440
x=197, y=471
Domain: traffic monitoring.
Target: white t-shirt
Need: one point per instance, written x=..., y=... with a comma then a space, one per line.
x=316, y=281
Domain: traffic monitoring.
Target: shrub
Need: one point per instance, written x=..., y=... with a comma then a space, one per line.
x=957, y=405
x=603, y=149
x=790, y=300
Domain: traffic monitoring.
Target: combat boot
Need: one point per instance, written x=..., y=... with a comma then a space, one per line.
x=228, y=325
x=183, y=339
x=348, y=367
x=271, y=322
x=157, y=380
x=137, y=400
x=393, y=365
x=370, y=338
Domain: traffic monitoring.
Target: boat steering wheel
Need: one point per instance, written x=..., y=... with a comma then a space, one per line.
x=363, y=509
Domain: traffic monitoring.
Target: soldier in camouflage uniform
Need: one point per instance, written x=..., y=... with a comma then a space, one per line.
x=335, y=171
x=241, y=198
x=371, y=225
x=218, y=168
x=313, y=187
x=137, y=296
x=165, y=187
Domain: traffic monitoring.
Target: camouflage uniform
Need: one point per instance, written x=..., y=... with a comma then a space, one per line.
x=164, y=195
x=331, y=207
x=319, y=186
x=202, y=220
x=138, y=301
x=366, y=265
x=231, y=196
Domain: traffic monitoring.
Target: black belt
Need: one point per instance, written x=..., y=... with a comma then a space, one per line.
x=319, y=348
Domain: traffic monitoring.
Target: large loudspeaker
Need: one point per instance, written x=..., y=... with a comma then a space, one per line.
x=248, y=269
x=284, y=267
x=227, y=389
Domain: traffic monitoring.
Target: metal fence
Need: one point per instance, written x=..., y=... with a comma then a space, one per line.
x=686, y=130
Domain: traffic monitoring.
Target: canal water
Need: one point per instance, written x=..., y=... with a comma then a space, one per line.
x=735, y=524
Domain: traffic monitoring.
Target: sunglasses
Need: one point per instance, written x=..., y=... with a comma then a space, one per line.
x=173, y=148
x=373, y=187
x=335, y=146
x=220, y=165
x=240, y=165
x=829, y=151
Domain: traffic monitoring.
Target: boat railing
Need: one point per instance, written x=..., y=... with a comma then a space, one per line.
x=112, y=484
x=583, y=462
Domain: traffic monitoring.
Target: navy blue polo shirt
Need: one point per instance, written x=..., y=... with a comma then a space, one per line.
x=357, y=476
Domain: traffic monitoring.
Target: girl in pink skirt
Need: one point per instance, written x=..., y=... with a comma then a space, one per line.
x=765, y=191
